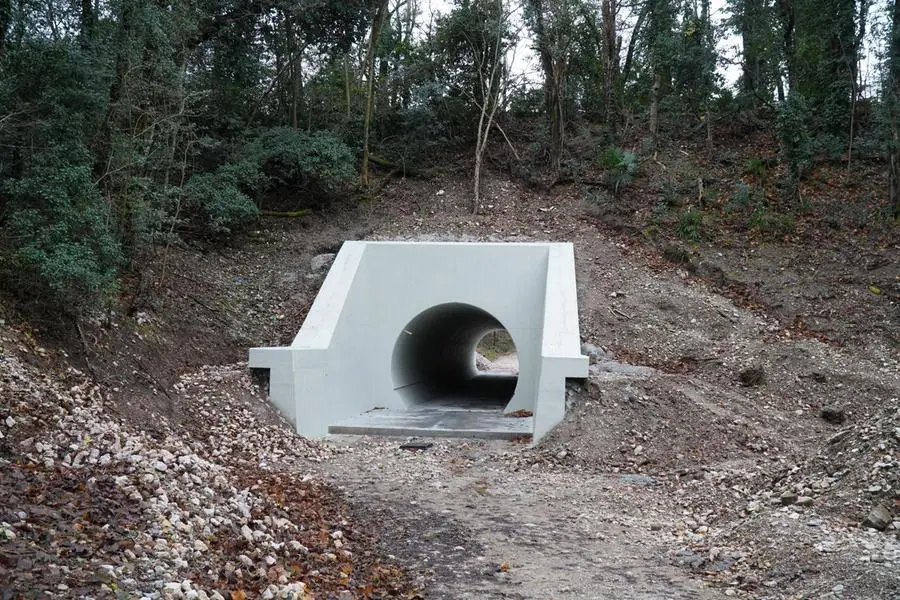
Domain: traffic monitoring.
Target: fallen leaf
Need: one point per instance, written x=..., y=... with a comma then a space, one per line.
x=520, y=413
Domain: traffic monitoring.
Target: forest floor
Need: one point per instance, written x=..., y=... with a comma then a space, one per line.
x=695, y=461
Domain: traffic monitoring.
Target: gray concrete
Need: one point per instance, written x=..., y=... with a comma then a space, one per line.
x=437, y=422
x=395, y=325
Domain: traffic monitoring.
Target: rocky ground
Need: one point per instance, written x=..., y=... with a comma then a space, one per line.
x=738, y=435
x=227, y=505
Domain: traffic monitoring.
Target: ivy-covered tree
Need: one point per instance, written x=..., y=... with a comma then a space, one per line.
x=892, y=103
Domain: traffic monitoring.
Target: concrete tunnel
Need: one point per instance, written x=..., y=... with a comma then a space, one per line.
x=392, y=334
x=433, y=362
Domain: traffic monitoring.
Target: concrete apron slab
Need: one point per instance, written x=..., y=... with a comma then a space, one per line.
x=437, y=422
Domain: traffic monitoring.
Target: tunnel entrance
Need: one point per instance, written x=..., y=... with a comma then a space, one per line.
x=496, y=353
x=435, y=364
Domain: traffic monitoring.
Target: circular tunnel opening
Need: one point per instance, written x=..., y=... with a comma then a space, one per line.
x=496, y=353
x=435, y=363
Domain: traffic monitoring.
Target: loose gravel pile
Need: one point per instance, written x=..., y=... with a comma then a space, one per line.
x=222, y=506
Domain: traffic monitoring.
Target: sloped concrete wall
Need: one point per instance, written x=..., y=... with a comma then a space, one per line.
x=344, y=360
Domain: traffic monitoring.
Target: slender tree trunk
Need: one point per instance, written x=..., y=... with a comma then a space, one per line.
x=892, y=98
x=654, y=107
x=635, y=35
x=347, y=88
x=786, y=15
x=5, y=19
x=88, y=22
x=491, y=83
x=611, y=63
x=379, y=10
x=297, y=89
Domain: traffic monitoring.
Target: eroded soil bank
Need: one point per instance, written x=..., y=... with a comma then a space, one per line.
x=693, y=463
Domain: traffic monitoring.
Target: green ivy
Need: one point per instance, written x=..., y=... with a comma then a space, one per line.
x=58, y=241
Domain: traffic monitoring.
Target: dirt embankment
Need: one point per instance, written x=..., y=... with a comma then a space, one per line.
x=693, y=463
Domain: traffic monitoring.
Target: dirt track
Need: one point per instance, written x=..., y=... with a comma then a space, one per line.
x=720, y=453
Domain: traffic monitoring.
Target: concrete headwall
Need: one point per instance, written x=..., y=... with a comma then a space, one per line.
x=392, y=315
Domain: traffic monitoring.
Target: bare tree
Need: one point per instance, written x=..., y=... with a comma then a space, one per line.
x=379, y=12
x=490, y=64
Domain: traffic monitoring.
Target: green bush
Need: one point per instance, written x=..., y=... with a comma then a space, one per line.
x=756, y=167
x=57, y=237
x=225, y=200
x=309, y=161
x=771, y=222
x=689, y=225
x=221, y=206
x=742, y=198
x=620, y=165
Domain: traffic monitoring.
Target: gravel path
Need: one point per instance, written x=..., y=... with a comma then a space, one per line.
x=474, y=526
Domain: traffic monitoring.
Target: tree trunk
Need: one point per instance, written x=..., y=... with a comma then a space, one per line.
x=554, y=65
x=379, y=10
x=347, y=88
x=610, y=63
x=654, y=107
x=786, y=15
x=88, y=22
x=5, y=18
x=490, y=81
x=892, y=99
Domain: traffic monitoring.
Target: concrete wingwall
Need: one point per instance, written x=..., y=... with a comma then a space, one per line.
x=362, y=346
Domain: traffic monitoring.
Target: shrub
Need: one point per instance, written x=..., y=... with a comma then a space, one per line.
x=756, y=167
x=742, y=198
x=620, y=166
x=311, y=161
x=217, y=201
x=771, y=222
x=689, y=225
x=57, y=238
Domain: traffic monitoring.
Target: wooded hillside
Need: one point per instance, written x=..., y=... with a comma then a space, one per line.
x=127, y=124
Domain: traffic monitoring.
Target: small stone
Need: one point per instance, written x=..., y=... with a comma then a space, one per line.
x=878, y=518
x=591, y=350
x=788, y=498
x=833, y=414
x=10, y=421
x=172, y=591
x=160, y=466
x=247, y=533
x=345, y=595
x=321, y=262
x=804, y=501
